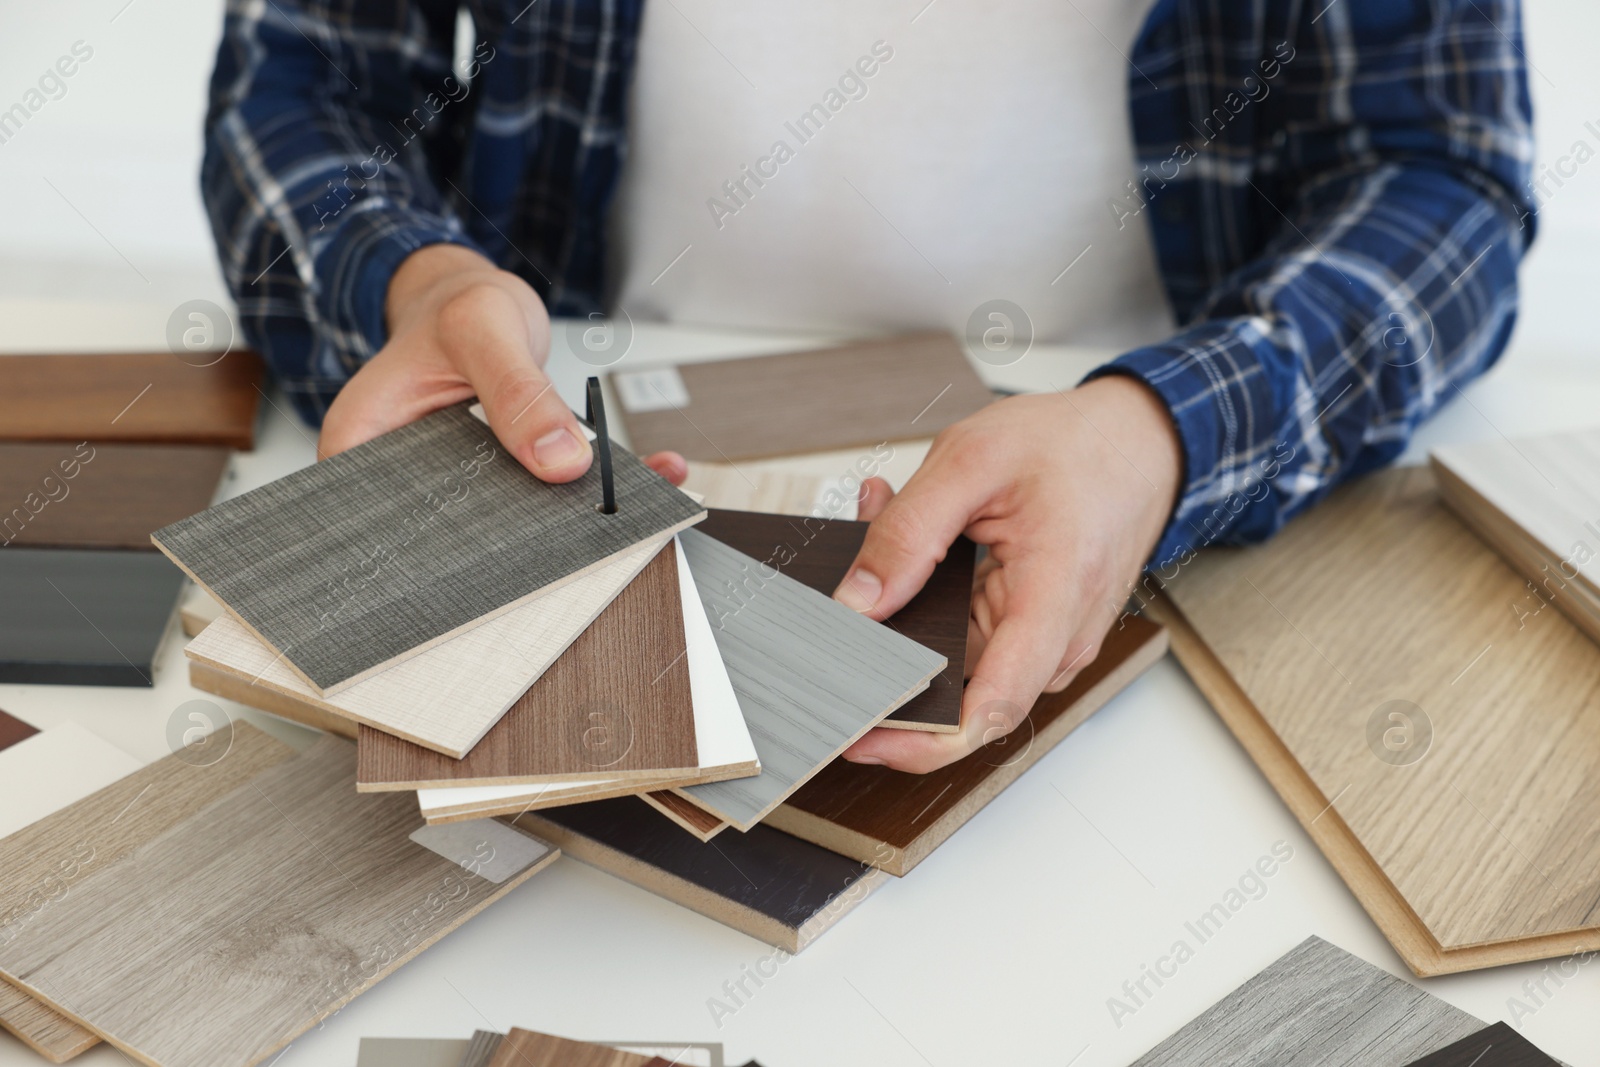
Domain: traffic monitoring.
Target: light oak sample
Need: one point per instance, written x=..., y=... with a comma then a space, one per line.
x=616, y=703
x=176, y=955
x=1479, y=850
x=771, y=492
x=894, y=820
x=774, y=887
x=98, y=495
x=1496, y=1045
x=447, y=698
x=811, y=675
x=52, y=1035
x=374, y=555
x=527, y=1048
x=862, y=393
x=1317, y=1006
x=230, y=687
x=153, y=397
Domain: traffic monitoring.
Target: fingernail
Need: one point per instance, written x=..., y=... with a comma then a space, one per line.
x=872, y=760
x=860, y=591
x=556, y=449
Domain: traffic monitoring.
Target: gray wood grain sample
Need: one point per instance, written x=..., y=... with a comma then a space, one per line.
x=356, y=562
x=219, y=941
x=811, y=675
x=1317, y=1006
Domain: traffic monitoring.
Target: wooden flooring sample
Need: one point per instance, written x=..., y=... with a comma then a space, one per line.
x=218, y=942
x=527, y=1048
x=92, y=618
x=150, y=397
x=616, y=703
x=811, y=675
x=13, y=730
x=355, y=563
x=1494, y=1046
x=1477, y=844
x=102, y=495
x=894, y=820
x=447, y=698
x=772, y=886
x=693, y=818
x=1317, y=1006
x=816, y=552
x=863, y=393
x=52, y=1035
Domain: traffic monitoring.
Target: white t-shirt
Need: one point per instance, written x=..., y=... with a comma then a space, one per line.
x=837, y=165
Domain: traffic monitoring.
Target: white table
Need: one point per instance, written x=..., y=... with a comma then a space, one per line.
x=1004, y=946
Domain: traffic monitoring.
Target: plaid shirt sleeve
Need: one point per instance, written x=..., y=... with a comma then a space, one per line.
x=1338, y=197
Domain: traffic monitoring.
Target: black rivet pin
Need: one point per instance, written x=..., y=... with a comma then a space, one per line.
x=595, y=414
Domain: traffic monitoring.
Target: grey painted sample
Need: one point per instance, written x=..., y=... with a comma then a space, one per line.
x=1317, y=1006
x=410, y=1052
x=355, y=562
x=83, y=617
x=810, y=674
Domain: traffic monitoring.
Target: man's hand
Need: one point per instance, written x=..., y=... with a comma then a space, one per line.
x=460, y=327
x=1070, y=491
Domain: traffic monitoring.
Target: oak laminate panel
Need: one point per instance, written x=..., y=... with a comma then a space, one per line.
x=209, y=679
x=528, y=1048
x=817, y=552
x=92, y=618
x=13, y=730
x=617, y=703
x=1317, y=1006
x=150, y=397
x=98, y=495
x=1481, y=850
x=891, y=389
x=52, y=1035
x=895, y=820
x=765, y=883
x=218, y=942
x=381, y=552
x=810, y=674
x=1496, y=1045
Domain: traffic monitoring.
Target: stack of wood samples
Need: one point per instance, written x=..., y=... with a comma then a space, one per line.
x=1536, y=502
x=1438, y=745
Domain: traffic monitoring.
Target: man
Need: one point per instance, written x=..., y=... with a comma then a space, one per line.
x=1336, y=191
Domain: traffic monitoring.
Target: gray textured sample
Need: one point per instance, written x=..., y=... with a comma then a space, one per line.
x=481, y=1049
x=810, y=674
x=351, y=564
x=410, y=1052
x=1317, y=1006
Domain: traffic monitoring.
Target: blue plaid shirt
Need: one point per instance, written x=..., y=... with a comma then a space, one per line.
x=1337, y=192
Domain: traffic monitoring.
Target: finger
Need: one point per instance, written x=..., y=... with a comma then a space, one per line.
x=671, y=466
x=875, y=496
x=488, y=337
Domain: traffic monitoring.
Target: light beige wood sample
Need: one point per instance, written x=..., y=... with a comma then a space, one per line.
x=219, y=941
x=771, y=492
x=49, y=1033
x=446, y=698
x=197, y=610
x=241, y=691
x=1483, y=849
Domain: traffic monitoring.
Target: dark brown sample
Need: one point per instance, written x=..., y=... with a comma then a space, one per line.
x=13, y=730
x=1496, y=1046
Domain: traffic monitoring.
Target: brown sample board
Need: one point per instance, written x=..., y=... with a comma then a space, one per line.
x=98, y=495
x=616, y=703
x=217, y=942
x=147, y=397
x=1436, y=744
x=527, y=1048
x=817, y=552
x=893, y=820
x=13, y=730
x=1494, y=1046
x=858, y=394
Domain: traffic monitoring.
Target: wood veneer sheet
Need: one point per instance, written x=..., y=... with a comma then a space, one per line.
x=811, y=675
x=153, y=397
x=895, y=820
x=98, y=495
x=892, y=389
x=225, y=973
x=374, y=555
x=1437, y=746
x=447, y=698
x=1496, y=1045
x=92, y=618
x=1317, y=1006
x=616, y=703
x=774, y=887
x=527, y=1048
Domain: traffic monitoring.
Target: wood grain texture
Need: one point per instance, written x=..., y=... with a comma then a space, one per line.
x=528, y=1048
x=895, y=820
x=692, y=817
x=1317, y=1006
x=817, y=552
x=447, y=698
x=381, y=552
x=92, y=618
x=150, y=397
x=616, y=703
x=101, y=495
x=1496, y=1045
x=810, y=674
x=1514, y=712
x=51, y=1034
x=177, y=956
x=892, y=389
x=765, y=883
x=13, y=730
